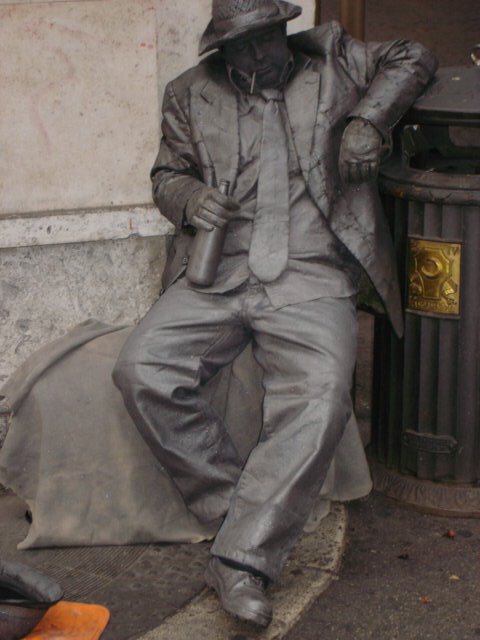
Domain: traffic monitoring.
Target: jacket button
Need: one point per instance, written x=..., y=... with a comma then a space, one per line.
x=184, y=260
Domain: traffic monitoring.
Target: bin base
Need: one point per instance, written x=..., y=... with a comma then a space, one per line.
x=425, y=495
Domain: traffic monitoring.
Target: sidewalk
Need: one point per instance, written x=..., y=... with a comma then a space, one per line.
x=405, y=575
x=157, y=592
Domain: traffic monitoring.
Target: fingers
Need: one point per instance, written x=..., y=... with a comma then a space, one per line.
x=223, y=201
x=371, y=170
x=355, y=172
x=216, y=211
x=360, y=152
x=200, y=223
x=211, y=218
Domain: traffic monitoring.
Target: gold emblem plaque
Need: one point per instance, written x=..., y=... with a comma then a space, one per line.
x=434, y=276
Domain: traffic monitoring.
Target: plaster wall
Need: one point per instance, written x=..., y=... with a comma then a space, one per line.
x=82, y=83
x=78, y=127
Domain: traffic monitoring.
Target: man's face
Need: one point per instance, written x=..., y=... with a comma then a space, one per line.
x=263, y=53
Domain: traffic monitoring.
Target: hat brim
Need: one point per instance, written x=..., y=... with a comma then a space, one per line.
x=211, y=40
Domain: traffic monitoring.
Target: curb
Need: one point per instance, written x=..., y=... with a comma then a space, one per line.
x=313, y=566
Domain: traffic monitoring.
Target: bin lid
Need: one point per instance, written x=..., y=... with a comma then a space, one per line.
x=452, y=98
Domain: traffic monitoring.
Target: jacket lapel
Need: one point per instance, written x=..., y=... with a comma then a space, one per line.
x=215, y=108
x=301, y=99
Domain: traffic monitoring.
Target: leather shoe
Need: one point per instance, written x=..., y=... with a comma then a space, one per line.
x=241, y=593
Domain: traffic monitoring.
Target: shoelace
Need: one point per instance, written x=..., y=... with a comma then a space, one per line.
x=258, y=580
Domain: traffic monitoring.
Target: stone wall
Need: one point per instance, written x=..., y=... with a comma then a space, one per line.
x=82, y=83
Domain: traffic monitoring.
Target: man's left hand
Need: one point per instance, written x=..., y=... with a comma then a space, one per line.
x=360, y=152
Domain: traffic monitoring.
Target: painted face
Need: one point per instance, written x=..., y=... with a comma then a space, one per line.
x=263, y=53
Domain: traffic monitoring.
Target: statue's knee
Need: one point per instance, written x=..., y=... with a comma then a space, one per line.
x=337, y=389
x=123, y=375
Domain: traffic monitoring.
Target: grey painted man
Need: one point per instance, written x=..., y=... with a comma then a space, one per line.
x=297, y=126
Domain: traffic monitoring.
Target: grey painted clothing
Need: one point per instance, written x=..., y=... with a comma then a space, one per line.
x=305, y=346
x=336, y=78
x=319, y=265
x=307, y=354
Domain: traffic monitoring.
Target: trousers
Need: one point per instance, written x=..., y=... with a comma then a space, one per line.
x=307, y=354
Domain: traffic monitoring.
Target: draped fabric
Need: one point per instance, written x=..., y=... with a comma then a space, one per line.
x=73, y=454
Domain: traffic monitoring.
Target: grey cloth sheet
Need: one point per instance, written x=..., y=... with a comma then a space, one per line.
x=74, y=455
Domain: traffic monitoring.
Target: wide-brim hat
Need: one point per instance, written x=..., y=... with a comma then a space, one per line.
x=251, y=16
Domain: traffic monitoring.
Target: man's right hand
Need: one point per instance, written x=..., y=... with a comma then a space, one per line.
x=208, y=208
x=360, y=152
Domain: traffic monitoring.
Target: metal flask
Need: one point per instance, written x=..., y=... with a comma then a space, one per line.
x=207, y=250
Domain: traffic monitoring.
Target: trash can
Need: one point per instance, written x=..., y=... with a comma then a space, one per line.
x=425, y=448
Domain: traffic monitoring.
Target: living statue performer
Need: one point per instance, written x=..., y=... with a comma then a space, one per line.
x=296, y=126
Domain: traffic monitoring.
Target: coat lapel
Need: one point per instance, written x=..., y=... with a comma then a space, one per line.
x=215, y=108
x=301, y=99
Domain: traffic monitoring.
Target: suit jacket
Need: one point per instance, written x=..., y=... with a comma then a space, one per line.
x=336, y=78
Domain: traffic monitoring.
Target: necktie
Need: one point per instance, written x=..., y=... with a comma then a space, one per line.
x=271, y=226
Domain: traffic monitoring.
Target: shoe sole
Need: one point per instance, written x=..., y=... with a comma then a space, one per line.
x=250, y=616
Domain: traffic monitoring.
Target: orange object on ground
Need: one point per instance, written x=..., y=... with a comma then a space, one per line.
x=71, y=621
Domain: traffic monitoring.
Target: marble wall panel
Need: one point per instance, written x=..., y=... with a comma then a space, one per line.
x=81, y=92
x=79, y=121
